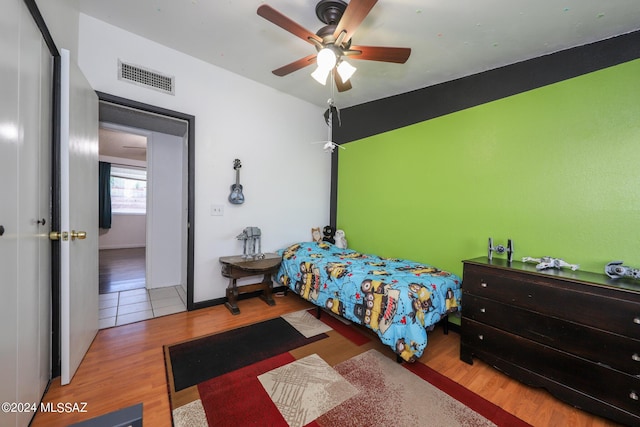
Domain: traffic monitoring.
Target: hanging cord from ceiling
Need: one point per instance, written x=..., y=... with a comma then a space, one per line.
x=329, y=114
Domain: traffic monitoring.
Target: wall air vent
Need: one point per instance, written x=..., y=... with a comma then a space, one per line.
x=145, y=77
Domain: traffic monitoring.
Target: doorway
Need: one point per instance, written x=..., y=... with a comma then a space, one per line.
x=143, y=291
x=122, y=234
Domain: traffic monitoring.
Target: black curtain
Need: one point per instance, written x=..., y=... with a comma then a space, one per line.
x=104, y=194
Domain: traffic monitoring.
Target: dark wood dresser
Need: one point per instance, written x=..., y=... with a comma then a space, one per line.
x=575, y=333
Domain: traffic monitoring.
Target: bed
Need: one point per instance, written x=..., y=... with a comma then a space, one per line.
x=398, y=299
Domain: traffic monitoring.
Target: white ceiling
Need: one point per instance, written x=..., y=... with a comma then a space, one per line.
x=124, y=145
x=449, y=38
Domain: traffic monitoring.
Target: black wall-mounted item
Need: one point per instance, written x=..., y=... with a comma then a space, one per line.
x=236, y=197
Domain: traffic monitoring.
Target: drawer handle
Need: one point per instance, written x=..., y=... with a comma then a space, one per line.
x=481, y=337
x=484, y=285
x=483, y=310
x=633, y=395
x=636, y=357
x=636, y=320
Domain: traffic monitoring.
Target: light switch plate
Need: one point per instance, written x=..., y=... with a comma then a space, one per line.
x=217, y=210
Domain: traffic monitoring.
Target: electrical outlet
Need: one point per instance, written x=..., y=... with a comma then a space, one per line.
x=217, y=210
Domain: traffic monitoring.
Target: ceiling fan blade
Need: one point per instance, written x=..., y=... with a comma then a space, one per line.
x=295, y=66
x=353, y=16
x=399, y=55
x=342, y=86
x=272, y=15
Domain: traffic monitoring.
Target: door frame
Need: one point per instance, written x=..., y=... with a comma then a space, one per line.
x=191, y=140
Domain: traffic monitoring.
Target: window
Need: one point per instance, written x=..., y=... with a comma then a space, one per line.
x=128, y=190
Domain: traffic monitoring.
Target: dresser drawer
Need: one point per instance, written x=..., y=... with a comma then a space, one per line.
x=579, y=303
x=617, y=351
x=608, y=385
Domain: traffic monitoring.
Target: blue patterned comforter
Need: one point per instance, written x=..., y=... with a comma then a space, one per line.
x=400, y=300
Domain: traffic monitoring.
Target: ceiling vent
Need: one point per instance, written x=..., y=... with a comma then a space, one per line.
x=145, y=77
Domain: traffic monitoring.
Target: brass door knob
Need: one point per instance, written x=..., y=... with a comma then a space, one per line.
x=81, y=235
x=58, y=235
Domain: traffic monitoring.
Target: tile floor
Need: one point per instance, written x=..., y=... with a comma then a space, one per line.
x=120, y=308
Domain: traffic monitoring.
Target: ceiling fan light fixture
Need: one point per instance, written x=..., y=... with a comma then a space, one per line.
x=345, y=70
x=326, y=58
x=321, y=74
x=333, y=41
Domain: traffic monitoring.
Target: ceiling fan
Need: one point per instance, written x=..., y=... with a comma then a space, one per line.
x=333, y=41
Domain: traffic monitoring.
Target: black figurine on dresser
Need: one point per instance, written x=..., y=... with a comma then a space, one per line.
x=575, y=333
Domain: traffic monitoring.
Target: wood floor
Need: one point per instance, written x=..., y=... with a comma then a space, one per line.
x=125, y=366
x=121, y=270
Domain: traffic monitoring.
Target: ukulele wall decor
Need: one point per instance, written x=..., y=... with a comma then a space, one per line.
x=236, y=197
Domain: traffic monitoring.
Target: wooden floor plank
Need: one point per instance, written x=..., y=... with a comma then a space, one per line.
x=121, y=270
x=125, y=366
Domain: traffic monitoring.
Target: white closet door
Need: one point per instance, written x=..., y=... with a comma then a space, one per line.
x=33, y=284
x=25, y=141
x=9, y=78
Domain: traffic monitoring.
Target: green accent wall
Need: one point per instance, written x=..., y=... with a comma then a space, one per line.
x=556, y=169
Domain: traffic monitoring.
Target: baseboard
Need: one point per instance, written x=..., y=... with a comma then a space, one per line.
x=132, y=246
x=166, y=286
x=222, y=300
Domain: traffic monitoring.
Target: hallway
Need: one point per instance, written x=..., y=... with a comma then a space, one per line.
x=123, y=295
x=121, y=308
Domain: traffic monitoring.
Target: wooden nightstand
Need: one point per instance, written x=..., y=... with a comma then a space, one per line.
x=236, y=267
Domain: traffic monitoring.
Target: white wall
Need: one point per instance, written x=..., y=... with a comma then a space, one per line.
x=286, y=178
x=166, y=204
x=127, y=231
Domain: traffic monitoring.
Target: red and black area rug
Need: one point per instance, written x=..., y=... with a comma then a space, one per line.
x=299, y=371
x=195, y=361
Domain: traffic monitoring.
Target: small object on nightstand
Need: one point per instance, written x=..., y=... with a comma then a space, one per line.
x=251, y=237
